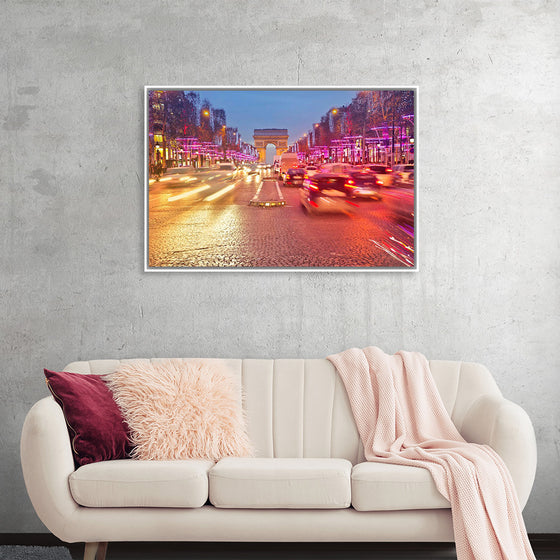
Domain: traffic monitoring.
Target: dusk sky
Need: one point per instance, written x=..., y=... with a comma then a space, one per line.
x=295, y=110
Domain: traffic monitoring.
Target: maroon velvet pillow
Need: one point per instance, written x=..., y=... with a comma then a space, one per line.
x=95, y=423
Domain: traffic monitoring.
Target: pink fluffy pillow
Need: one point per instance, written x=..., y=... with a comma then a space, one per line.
x=181, y=409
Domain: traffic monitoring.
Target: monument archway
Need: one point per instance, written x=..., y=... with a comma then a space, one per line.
x=278, y=137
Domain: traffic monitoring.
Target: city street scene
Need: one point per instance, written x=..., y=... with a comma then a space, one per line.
x=280, y=178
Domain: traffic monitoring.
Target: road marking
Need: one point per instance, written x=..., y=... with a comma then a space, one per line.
x=166, y=178
x=189, y=193
x=188, y=179
x=266, y=203
x=220, y=193
x=279, y=192
x=256, y=197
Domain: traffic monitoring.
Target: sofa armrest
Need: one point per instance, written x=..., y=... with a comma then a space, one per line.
x=506, y=427
x=47, y=461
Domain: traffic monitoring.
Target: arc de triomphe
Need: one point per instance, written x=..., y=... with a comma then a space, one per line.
x=276, y=136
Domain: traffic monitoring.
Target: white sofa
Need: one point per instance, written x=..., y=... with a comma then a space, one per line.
x=308, y=481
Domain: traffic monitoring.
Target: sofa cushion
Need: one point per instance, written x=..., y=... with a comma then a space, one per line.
x=280, y=483
x=95, y=424
x=132, y=483
x=382, y=486
x=181, y=409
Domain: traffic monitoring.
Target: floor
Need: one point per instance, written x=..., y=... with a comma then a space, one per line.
x=545, y=549
x=545, y=546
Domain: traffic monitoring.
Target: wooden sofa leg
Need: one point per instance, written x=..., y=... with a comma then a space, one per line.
x=101, y=551
x=90, y=550
x=95, y=551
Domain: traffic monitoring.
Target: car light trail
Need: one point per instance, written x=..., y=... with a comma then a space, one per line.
x=166, y=179
x=189, y=193
x=402, y=258
x=407, y=247
x=220, y=193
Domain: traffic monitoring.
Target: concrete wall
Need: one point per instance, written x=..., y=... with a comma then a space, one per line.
x=71, y=214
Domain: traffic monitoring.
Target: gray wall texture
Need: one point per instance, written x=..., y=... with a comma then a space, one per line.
x=72, y=284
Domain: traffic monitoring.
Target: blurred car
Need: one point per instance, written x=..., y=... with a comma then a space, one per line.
x=399, y=201
x=263, y=169
x=327, y=192
x=310, y=170
x=294, y=177
x=383, y=172
x=229, y=168
x=403, y=174
x=288, y=160
x=408, y=180
x=335, y=168
x=364, y=184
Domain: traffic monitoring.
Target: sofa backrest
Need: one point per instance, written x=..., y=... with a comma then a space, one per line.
x=299, y=407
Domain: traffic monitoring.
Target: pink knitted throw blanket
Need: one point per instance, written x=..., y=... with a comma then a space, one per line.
x=401, y=420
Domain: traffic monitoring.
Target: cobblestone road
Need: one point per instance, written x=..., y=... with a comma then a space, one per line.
x=213, y=221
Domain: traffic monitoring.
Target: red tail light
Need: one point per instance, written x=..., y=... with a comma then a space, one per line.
x=313, y=186
x=313, y=203
x=389, y=170
x=350, y=184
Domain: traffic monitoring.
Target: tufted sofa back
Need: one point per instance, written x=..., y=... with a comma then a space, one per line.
x=299, y=407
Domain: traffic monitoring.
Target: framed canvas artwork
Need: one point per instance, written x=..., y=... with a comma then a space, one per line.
x=265, y=178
